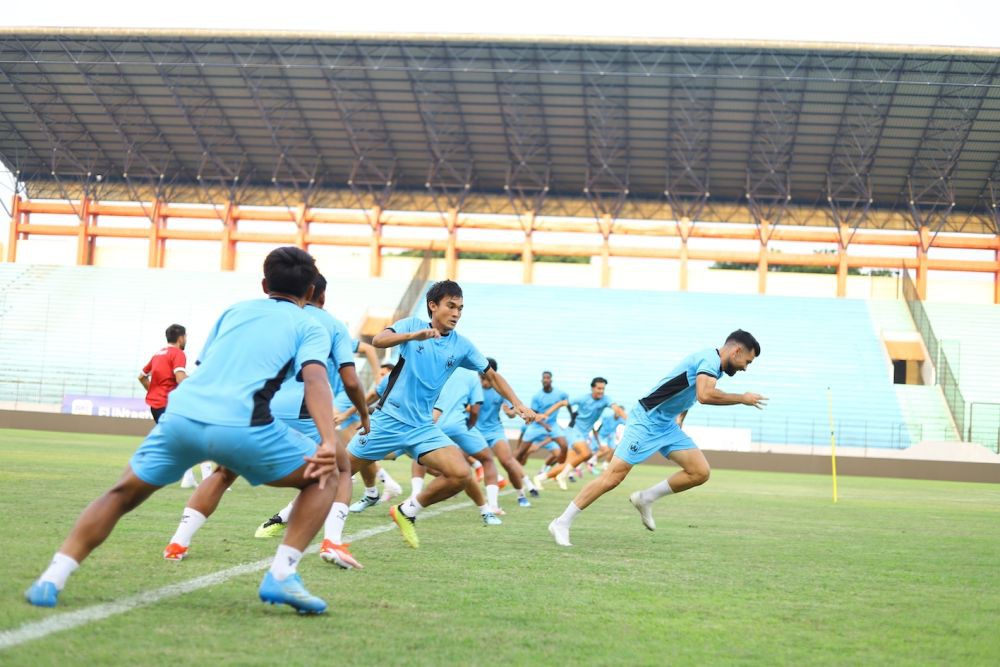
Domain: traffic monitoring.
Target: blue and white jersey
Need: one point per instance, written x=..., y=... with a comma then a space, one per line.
x=588, y=411
x=336, y=384
x=460, y=391
x=677, y=392
x=489, y=413
x=252, y=349
x=422, y=370
x=544, y=400
x=290, y=401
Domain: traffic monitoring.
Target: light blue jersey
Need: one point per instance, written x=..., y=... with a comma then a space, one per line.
x=489, y=413
x=422, y=370
x=460, y=391
x=609, y=423
x=677, y=392
x=336, y=384
x=588, y=411
x=290, y=401
x=252, y=349
x=544, y=400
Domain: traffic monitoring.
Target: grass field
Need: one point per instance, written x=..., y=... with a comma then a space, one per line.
x=753, y=568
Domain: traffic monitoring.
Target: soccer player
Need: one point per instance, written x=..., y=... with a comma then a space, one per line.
x=607, y=436
x=165, y=370
x=455, y=412
x=429, y=353
x=546, y=427
x=652, y=427
x=289, y=406
x=588, y=409
x=224, y=408
x=489, y=425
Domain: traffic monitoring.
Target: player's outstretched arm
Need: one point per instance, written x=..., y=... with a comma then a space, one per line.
x=505, y=390
x=709, y=394
x=389, y=338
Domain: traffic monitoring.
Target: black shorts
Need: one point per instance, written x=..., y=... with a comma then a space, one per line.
x=157, y=413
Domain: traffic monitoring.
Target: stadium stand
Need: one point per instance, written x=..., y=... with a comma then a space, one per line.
x=634, y=337
x=88, y=330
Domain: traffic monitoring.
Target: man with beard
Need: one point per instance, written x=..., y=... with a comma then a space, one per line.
x=652, y=427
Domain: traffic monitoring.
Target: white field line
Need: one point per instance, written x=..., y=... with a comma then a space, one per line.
x=74, y=619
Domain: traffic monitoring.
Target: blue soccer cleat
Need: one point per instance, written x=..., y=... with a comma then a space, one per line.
x=42, y=594
x=290, y=592
x=523, y=502
x=491, y=519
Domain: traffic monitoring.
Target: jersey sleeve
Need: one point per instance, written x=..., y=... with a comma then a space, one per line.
x=473, y=358
x=179, y=360
x=148, y=368
x=408, y=325
x=355, y=344
x=313, y=347
x=342, y=347
x=709, y=365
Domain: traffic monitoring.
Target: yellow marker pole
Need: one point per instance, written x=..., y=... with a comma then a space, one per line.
x=833, y=442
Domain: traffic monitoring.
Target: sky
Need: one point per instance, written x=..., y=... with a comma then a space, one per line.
x=961, y=23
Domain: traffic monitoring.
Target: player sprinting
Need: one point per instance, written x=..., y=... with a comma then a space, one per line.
x=489, y=425
x=652, y=427
x=429, y=353
x=289, y=406
x=224, y=408
x=607, y=436
x=588, y=409
x=546, y=426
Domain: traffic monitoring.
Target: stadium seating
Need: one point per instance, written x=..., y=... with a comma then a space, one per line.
x=88, y=330
x=633, y=338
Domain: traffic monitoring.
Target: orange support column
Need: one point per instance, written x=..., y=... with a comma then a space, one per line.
x=684, y=229
x=762, y=257
x=375, y=244
x=842, y=262
x=228, y=244
x=922, y=247
x=155, y=260
x=302, y=227
x=84, y=255
x=606, y=251
x=451, y=251
x=996, y=275
x=528, y=252
x=15, y=220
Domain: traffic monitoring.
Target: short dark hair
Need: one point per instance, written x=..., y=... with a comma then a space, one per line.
x=597, y=379
x=290, y=270
x=440, y=290
x=492, y=363
x=175, y=331
x=746, y=339
x=389, y=365
x=544, y=373
x=319, y=286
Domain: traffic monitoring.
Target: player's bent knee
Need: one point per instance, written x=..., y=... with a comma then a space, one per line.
x=700, y=475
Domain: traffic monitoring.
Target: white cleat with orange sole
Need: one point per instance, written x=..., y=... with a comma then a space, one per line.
x=339, y=555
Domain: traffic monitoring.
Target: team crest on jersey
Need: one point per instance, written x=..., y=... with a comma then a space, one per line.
x=362, y=440
x=451, y=361
x=634, y=447
x=420, y=348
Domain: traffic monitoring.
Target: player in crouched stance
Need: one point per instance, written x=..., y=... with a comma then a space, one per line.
x=222, y=413
x=652, y=427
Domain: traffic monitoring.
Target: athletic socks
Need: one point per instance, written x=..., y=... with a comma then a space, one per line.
x=285, y=562
x=493, y=495
x=333, y=528
x=286, y=511
x=411, y=508
x=59, y=570
x=485, y=509
x=566, y=518
x=191, y=521
x=371, y=491
x=417, y=484
x=657, y=491
x=477, y=465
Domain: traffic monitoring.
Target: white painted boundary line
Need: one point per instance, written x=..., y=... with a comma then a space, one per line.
x=74, y=619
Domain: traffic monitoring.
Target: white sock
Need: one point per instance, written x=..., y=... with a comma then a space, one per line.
x=417, y=484
x=520, y=492
x=411, y=507
x=191, y=521
x=380, y=475
x=333, y=528
x=206, y=470
x=493, y=495
x=285, y=562
x=386, y=478
x=528, y=484
x=657, y=491
x=485, y=509
x=371, y=491
x=286, y=511
x=476, y=465
x=59, y=570
x=189, y=479
x=567, y=517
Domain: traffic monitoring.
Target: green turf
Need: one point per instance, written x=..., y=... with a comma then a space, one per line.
x=754, y=568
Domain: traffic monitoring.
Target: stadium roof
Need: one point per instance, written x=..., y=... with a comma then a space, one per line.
x=847, y=128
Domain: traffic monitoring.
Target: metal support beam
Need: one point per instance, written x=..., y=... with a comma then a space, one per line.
x=606, y=108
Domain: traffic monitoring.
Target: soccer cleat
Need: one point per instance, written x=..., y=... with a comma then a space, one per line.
x=523, y=502
x=42, y=594
x=273, y=527
x=539, y=480
x=390, y=490
x=175, y=551
x=498, y=512
x=560, y=532
x=339, y=555
x=490, y=519
x=290, y=592
x=406, y=525
x=188, y=481
x=364, y=503
x=561, y=479
x=479, y=474
x=533, y=493
x=645, y=510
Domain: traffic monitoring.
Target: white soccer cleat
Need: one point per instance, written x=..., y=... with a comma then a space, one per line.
x=539, y=481
x=188, y=481
x=645, y=510
x=390, y=490
x=560, y=532
x=561, y=479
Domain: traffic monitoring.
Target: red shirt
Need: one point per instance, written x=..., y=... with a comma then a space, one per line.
x=161, y=369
